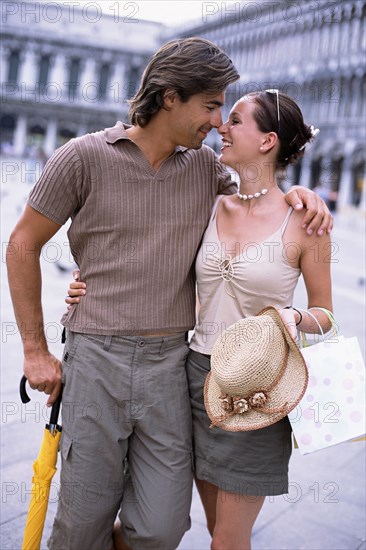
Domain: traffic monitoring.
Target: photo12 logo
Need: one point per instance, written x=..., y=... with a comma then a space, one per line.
x=268, y=11
x=54, y=12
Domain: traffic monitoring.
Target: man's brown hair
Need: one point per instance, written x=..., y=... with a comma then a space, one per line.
x=187, y=66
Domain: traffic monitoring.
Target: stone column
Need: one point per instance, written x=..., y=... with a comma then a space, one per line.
x=116, y=91
x=4, y=63
x=59, y=74
x=20, y=136
x=50, y=139
x=29, y=68
x=88, y=89
x=345, y=184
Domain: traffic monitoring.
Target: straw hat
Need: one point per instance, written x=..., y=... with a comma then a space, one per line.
x=258, y=374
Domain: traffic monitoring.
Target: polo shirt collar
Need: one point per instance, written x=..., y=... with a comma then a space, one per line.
x=117, y=132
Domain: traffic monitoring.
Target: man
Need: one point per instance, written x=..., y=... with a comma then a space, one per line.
x=139, y=198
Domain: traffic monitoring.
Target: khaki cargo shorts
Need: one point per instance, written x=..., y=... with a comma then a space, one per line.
x=126, y=443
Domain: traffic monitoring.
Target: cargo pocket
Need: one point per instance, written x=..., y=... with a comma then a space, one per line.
x=65, y=446
x=68, y=475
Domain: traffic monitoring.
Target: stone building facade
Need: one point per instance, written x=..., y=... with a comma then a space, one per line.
x=67, y=71
x=315, y=52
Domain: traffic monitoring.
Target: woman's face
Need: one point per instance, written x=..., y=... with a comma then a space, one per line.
x=240, y=135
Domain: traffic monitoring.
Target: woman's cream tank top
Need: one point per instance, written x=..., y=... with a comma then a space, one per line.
x=230, y=289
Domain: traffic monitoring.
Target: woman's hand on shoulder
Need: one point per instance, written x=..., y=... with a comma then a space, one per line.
x=76, y=289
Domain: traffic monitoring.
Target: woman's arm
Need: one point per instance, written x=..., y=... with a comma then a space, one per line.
x=76, y=289
x=315, y=261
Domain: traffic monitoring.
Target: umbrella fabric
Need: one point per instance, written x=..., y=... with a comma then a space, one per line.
x=44, y=469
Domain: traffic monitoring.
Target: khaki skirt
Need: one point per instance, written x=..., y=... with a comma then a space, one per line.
x=251, y=463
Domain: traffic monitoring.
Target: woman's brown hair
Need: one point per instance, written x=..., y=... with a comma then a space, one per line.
x=293, y=133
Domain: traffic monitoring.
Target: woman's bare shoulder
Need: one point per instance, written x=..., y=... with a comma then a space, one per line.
x=296, y=231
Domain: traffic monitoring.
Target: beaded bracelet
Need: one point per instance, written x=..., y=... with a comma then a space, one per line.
x=299, y=312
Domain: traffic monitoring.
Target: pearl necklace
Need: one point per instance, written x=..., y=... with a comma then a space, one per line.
x=255, y=196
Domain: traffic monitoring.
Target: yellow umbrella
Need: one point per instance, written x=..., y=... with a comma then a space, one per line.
x=44, y=469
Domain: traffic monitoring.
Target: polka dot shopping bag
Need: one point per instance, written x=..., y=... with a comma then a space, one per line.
x=332, y=410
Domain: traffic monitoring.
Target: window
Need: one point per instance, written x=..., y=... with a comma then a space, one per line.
x=348, y=103
x=35, y=137
x=64, y=135
x=358, y=182
x=133, y=81
x=13, y=71
x=296, y=173
x=7, y=127
x=44, y=69
x=315, y=172
x=361, y=104
x=103, y=80
x=343, y=98
x=74, y=77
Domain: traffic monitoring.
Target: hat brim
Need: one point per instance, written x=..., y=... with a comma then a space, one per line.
x=285, y=395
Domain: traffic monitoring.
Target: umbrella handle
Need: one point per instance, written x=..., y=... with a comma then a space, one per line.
x=23, y=392
x=55, y=408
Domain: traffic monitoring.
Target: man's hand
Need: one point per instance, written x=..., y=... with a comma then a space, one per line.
x=318, y=217
x=43, y=372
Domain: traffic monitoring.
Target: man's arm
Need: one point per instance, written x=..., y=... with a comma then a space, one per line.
x=32, y=231
x=317, y=217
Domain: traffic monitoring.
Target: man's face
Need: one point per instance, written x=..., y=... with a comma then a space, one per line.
x=192, y=121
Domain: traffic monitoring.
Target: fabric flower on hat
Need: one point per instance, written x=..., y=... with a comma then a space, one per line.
x=258, y=399
x=226, y=402
x=241, y=405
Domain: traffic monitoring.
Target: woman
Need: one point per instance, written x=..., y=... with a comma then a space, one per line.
x=251, y=256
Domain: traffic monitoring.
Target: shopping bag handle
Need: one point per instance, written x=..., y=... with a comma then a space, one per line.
x=55, y=407
x=329, y=314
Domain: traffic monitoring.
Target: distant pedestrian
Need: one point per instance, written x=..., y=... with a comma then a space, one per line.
x=332, y=200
